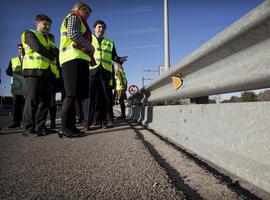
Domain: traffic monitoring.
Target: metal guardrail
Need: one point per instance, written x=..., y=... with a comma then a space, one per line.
x=236, y=59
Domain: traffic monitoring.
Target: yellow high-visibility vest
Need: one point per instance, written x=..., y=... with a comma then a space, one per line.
x=68, y=51
x=119, y=86
x=16, y=65
x=103, y=53
x=34, y=60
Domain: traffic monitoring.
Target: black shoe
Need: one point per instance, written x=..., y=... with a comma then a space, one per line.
x=104, y=125
x=86, y=127
x=15, y=125
x=81, y=134
x=96, y=125
x=47, y=130
x=110, y=124
x=28, y=132
x=52, y=126
x=65, y=132
x=121, y=117
x=78, y=132
x=41, y=133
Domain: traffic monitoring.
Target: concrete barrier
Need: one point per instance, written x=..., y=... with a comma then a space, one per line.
x=235, y=137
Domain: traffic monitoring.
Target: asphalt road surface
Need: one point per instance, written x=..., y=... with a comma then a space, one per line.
x=124, y=162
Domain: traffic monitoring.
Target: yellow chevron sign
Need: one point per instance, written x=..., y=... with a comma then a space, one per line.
x=177, y=82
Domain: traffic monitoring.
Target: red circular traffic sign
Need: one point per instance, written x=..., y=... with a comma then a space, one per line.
x=132, y=89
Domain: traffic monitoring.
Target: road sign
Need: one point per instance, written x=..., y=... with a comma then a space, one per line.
x=132, y=89
x=177, y=81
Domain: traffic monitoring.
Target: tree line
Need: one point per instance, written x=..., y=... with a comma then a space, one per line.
x=249, y=96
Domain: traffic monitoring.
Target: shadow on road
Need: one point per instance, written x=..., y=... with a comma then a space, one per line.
x=173, y=174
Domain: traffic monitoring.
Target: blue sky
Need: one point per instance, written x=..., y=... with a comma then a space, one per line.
x=136, y=27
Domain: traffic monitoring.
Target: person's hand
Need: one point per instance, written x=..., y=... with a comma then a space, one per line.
x=78, y=46
x=123, y=59
x=55, y=52
x=93, y=61
x=92, y=49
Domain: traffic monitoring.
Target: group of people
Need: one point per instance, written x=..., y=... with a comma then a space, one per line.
x=88, y=66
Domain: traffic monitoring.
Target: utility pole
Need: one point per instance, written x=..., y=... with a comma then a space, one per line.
x=166, y=36
x=147, y=70
x=143, y=79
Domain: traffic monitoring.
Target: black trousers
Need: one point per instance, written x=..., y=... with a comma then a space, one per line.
x=123, y=107
x=18, y=108
x=100, y=97
x=37, y=102
x=53, y=109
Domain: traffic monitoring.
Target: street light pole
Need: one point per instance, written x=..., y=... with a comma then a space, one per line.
x=142, y=79
x=166, y=36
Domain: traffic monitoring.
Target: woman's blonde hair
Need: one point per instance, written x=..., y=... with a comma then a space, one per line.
x=79, y=5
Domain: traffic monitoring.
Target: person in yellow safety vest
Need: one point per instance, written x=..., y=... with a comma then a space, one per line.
x=101, y=79
x=40, y=70
x=75, y=56
x=120, y=89
x=15, y=67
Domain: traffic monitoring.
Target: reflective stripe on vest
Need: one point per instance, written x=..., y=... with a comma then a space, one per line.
x=103, y=53
x=119, y=86
x=67, y=46
x=34, y=60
